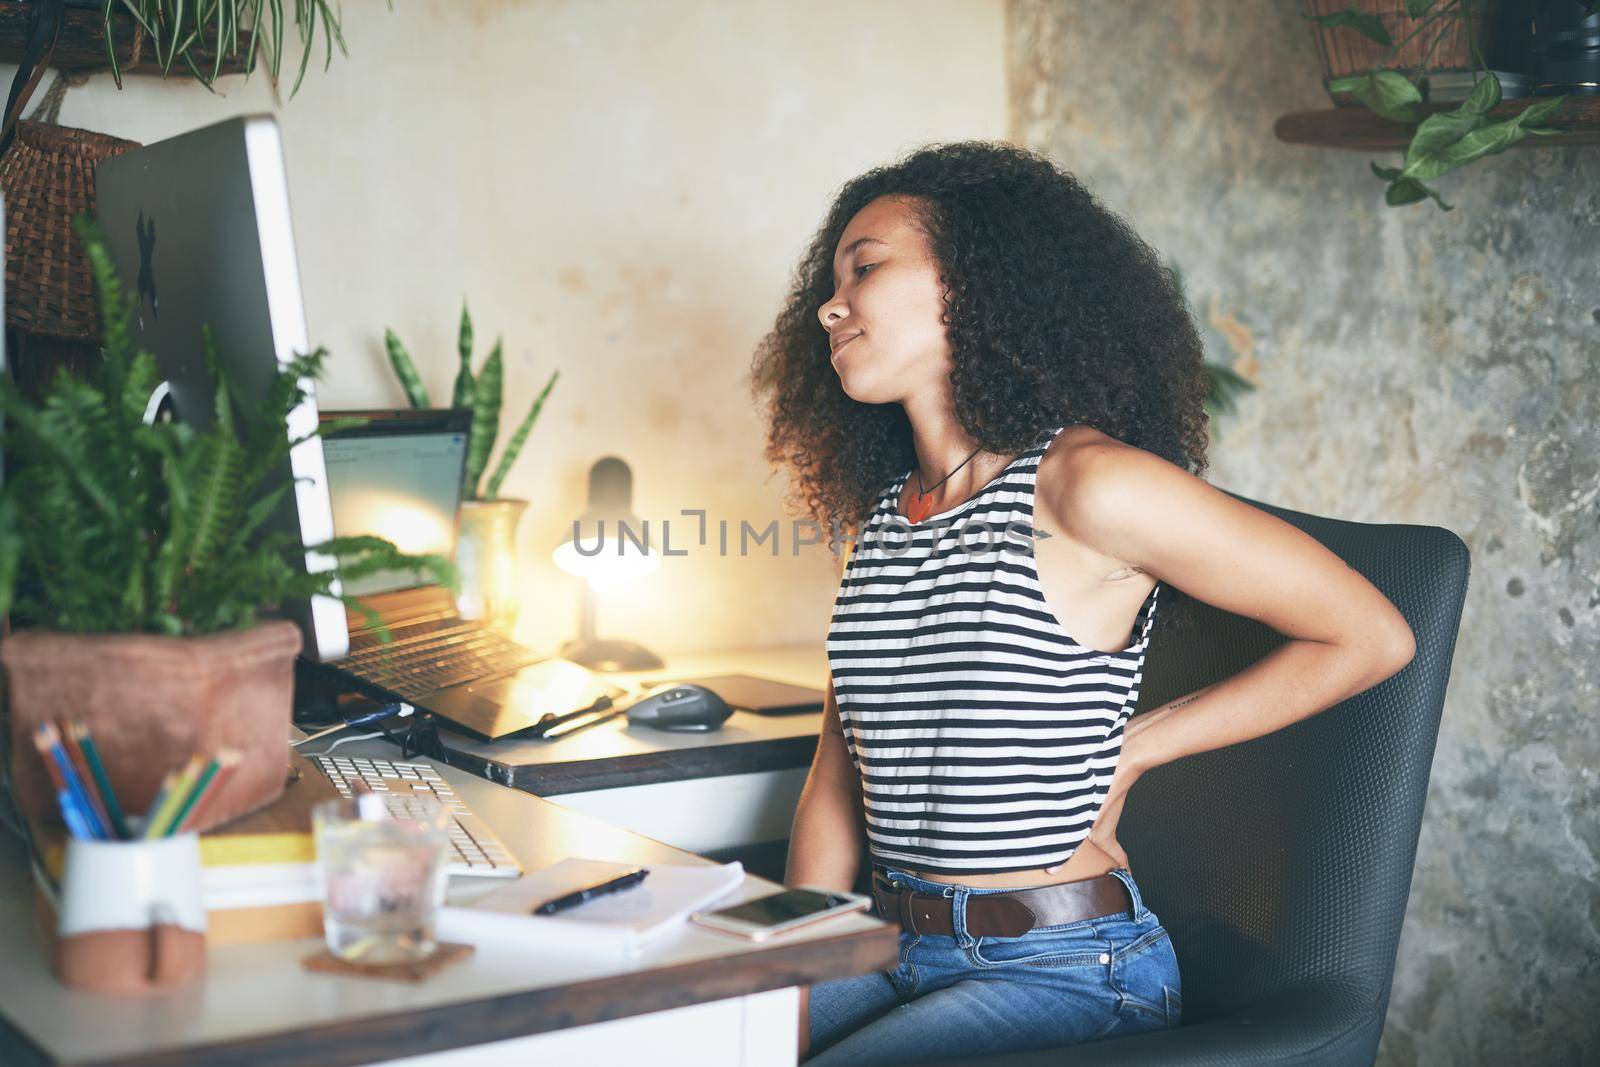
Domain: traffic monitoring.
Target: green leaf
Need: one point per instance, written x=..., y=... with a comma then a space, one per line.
x=1415, y=9
x=308, y=36
x=1224, y=386
x=1369, y=26
x=485, y=421
x=1409, y=191
x=1405, y=191
x=405, y=370
x=1388, y=174
x=518, y=439
x=1437, y=133
x=1485, y=95
x=1384, y=91
x=461, y=396
x=11, y=548
x=1486, y=141
x=1540, y=113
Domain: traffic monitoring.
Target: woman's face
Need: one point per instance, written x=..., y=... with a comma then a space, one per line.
x=886, y=318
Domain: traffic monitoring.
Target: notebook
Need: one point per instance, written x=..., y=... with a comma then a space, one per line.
x=622, y=922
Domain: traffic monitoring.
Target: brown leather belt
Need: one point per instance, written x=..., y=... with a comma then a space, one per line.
x=1009, y=914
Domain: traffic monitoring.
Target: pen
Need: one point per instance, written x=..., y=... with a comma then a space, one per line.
x=623, y=881
x=584, y=721
x=550, y=720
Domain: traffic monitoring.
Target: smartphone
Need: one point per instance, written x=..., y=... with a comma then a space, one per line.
x=779, y=913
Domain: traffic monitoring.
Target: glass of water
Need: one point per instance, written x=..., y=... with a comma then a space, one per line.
x=383, y=875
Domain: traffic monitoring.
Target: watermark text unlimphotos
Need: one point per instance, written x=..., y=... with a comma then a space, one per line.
x=895, y=536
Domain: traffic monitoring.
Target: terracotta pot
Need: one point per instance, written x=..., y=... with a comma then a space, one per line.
x=152, y=701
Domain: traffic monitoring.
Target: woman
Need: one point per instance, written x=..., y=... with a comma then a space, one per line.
x=992, y=380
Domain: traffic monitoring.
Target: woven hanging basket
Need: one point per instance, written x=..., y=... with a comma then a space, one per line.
x=48, y=177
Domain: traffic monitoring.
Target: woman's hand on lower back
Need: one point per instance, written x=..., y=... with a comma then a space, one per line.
x=1103, y=834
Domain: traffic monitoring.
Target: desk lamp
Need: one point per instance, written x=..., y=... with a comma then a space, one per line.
x=618, y=561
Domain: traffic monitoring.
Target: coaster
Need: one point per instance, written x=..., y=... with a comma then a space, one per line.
x=448, y=952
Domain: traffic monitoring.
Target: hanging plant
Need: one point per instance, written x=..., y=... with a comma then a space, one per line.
x=1446, y=140
x=189, y=32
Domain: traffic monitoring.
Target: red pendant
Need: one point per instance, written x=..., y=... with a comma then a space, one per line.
x=919, y=507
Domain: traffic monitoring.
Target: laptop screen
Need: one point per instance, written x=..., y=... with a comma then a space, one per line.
x=399, y=477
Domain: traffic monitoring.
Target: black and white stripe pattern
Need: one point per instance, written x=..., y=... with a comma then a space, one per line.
x=986, y=737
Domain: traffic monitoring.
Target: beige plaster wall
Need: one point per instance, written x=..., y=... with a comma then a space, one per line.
x=621, y=189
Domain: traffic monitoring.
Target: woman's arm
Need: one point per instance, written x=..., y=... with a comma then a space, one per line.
x=829, y=826
x=1344, y=636
x=829, y=833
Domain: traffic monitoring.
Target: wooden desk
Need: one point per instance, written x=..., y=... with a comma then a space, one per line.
x=698, y=997
x=704, y=792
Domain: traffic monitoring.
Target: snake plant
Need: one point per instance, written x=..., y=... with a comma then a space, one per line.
x=482, y=392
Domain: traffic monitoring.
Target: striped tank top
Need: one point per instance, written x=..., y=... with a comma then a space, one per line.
x=985, y=736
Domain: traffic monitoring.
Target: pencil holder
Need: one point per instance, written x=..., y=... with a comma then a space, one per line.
x=130, y=918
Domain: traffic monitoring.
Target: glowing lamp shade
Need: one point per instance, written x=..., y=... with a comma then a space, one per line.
x=608, y=548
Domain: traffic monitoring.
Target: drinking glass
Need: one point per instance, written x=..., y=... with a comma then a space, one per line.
x=383, y=876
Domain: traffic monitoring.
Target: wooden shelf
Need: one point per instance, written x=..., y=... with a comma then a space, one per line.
x=1361, y=130
x=82, y=44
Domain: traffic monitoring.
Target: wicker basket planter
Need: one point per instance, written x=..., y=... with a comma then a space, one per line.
x=1345, y=52
x=152, y=701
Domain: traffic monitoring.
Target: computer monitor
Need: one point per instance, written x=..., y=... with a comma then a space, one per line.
x=398, y=477
x=198, y=227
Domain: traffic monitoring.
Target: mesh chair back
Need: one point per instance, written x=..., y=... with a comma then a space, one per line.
x=1284, y=862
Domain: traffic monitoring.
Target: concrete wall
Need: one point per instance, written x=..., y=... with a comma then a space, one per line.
x=1413, y=366
x=621, y=189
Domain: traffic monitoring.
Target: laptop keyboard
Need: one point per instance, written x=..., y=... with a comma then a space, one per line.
x=474, y=851
x=414, y=666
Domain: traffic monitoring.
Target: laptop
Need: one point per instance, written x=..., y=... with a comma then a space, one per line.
x=399, y=477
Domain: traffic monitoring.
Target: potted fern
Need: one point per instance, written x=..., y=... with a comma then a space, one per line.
x=486, y=542
x=140, y=557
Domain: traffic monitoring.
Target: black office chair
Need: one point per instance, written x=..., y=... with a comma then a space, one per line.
x=1281, y=865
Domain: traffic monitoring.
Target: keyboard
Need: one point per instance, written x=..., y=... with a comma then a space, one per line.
x=413, y=667
x=475, y=851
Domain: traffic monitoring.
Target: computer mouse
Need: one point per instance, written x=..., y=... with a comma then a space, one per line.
x=680, y=707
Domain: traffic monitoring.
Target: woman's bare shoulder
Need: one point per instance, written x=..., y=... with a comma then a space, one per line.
x=1064, y=497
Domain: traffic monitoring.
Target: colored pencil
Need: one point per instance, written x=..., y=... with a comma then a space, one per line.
x=161, y=818
x=91, y=753
x=77, y=826
x=201, y=784
x=76, y=788
x=229, y=763
x=41, y=741
x=91, y=788
x=169, y=785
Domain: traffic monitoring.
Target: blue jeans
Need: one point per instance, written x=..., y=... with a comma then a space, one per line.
x=962, y=995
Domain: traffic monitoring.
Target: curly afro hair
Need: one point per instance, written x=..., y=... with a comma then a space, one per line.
x=1057, y=313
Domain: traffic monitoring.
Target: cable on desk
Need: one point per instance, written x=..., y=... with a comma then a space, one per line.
x=343, y=740
x=421, y=738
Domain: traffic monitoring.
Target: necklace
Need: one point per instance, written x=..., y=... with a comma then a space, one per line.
x=921, y=505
